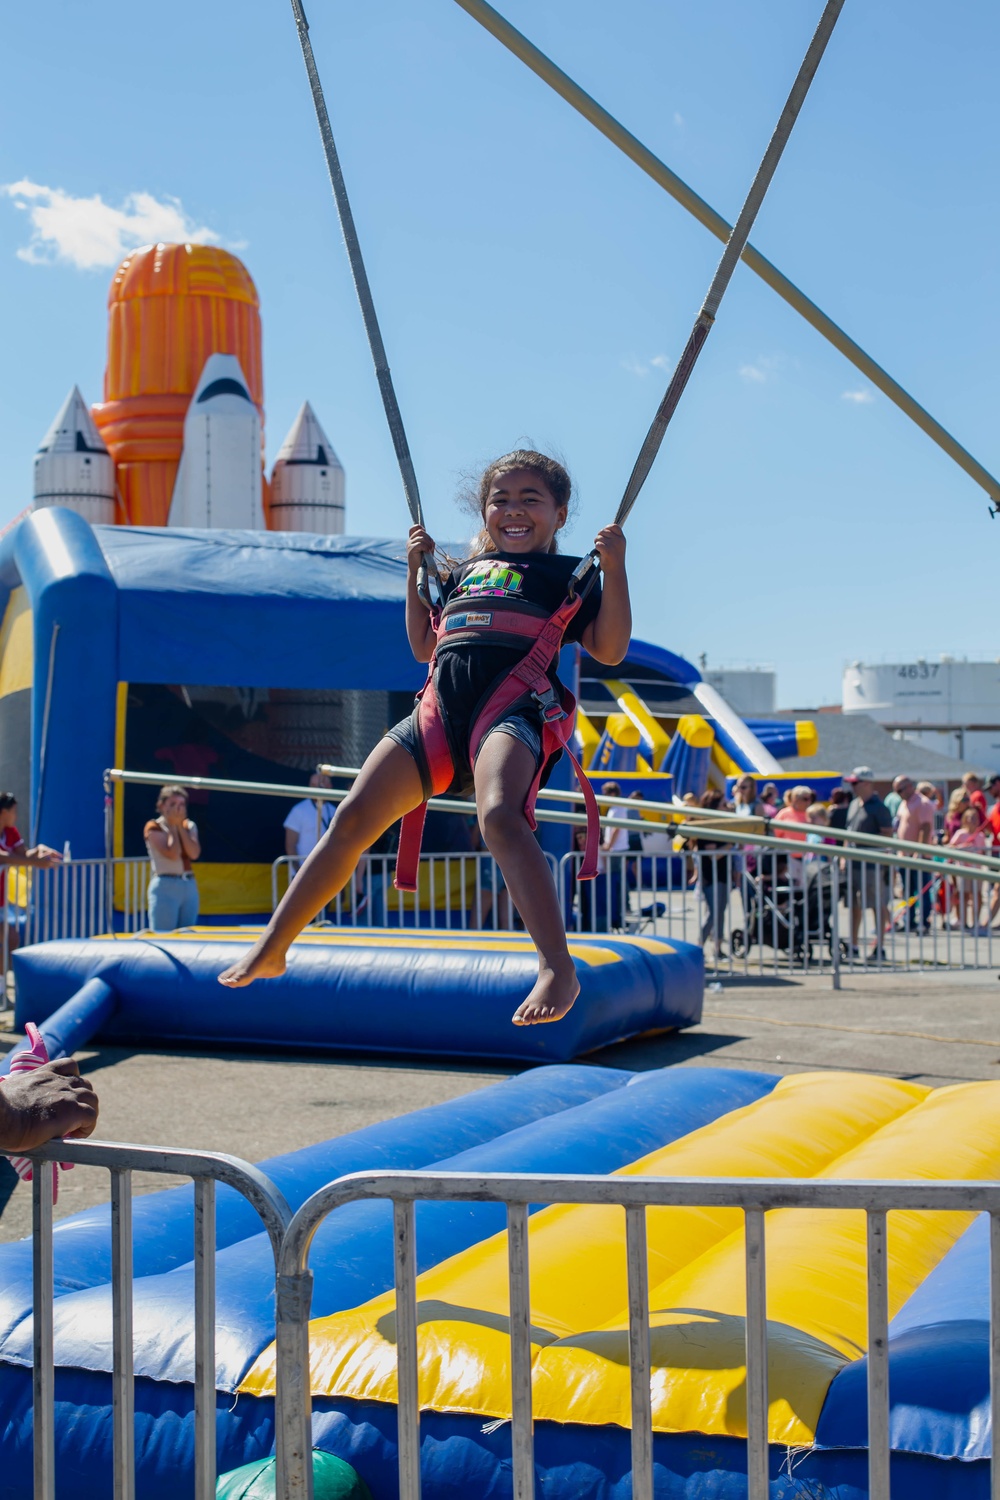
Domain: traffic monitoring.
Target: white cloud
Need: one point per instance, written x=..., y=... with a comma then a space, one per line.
x=643, y=367
x=860, y=398
x=678, y=119
x=91, y=234
x=753, y=373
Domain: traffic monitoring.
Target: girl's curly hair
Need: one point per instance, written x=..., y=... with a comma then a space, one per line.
x=552, y=474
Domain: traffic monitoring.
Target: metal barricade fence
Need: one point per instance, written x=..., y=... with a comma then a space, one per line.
x=291, y=1238
x=808, y=908
x=634, y=1195
x=70, y=900
x=206, y=1168
x=462, y=892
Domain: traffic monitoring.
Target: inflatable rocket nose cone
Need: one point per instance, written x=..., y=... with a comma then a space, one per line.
x=307, y=443
x=222, y=385
x=73, y=430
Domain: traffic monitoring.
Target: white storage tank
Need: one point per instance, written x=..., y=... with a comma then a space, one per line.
x=946, y=705
x=72, y=466
x=307, y=484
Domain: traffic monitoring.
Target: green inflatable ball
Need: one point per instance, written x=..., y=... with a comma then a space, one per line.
x=333, y=1479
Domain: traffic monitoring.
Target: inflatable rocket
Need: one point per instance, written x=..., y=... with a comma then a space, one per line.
x=219, y=479
x=177, y=439
x=307, y=483
x=73, y=467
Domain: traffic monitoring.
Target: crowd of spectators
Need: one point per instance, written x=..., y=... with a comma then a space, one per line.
x=913, y=813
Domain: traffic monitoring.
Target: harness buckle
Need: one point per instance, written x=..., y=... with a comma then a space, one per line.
x=550, y=705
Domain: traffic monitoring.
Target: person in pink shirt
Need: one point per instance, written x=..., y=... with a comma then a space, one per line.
x=800, y=799
x=969, y=835
x=914, y=822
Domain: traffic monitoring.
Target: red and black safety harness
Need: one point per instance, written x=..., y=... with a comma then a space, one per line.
x=501, y=622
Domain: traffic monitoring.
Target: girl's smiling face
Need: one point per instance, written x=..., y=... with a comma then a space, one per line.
x=521, y=514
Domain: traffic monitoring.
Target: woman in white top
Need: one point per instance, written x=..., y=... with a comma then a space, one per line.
x=172, y=842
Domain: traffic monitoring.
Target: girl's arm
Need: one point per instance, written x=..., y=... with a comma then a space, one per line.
x=608, y=634
x=419, y=631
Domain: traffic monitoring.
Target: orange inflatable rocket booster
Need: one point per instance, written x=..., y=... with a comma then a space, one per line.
x=169, y=308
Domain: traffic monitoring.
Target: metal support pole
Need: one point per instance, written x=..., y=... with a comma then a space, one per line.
x=545, y=69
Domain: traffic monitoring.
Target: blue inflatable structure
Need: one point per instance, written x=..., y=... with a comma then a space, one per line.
x=556, y=1119
x=551, y=1119
x=362, y=990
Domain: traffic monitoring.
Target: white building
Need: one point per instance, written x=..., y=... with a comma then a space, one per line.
x=750, y=690
x=945, y=705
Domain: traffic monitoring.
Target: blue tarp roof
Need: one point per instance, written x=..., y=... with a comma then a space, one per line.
x=236, y=608
x=260, y=609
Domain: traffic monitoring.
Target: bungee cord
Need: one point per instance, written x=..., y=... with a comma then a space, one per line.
x=735, y=246
x=360, y=276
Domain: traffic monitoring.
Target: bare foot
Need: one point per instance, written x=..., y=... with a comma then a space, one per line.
x=550, y=1000
x=257, y=964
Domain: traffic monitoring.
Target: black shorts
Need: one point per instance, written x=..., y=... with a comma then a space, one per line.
x=525, y=726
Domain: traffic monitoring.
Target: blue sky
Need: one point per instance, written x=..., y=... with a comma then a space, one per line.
x=533, y=284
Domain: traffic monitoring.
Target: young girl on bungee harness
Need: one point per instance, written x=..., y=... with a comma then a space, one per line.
x=512, y=584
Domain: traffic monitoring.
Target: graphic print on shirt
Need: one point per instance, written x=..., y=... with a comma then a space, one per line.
x=497, y=579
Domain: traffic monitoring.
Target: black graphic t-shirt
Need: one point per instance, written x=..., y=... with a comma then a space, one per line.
x=465, y=672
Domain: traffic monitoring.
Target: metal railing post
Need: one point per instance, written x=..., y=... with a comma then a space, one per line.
x=878, y=1358
x=123, y=1385
x=639, y=1353
x=293, y=1399
x=43, y=1368
x=407, y=1379
x=758, y=1466
x=522, y=1431
x=995, y=1351
x=204, y=1334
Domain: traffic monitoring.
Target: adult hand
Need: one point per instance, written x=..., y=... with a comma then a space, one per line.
x=609, y=543
x=418, y=542
x=44, y=856
x=50, y=1102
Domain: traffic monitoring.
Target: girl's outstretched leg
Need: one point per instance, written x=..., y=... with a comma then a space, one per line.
x=388, y=787
x=505, y=770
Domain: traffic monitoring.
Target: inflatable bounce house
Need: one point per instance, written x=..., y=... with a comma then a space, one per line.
x=686, y=1122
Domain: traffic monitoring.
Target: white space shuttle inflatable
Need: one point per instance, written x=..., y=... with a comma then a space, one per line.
x=307, y=484
x=219, y=479
x=73, y=467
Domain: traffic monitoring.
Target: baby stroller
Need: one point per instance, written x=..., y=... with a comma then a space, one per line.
x=768, y=908
x=788, y=915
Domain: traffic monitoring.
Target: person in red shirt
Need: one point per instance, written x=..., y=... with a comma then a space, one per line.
x=993, y=827
x=13, y=851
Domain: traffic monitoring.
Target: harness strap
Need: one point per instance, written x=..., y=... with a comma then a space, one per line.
x=529, y=677
x=437, y=774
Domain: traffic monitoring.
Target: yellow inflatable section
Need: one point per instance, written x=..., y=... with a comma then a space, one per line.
x=578, y=1270
x=812, y=1125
